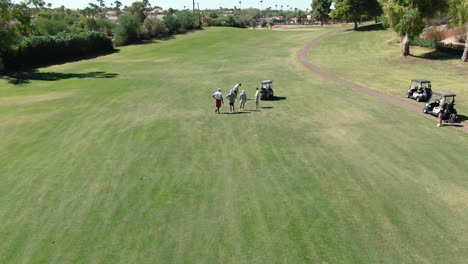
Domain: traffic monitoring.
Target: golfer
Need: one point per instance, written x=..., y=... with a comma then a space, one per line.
x=236, y=88
x=218, y=96
x=243, y=98
x=257, y=98
x=232, y=99
x=441, y=111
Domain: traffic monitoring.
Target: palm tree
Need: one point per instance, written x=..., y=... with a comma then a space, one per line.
x=240, y=5
x=118, y=4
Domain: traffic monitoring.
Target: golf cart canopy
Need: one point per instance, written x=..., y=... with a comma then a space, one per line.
x=267, y=81
x=445, y=94
x=421, y=81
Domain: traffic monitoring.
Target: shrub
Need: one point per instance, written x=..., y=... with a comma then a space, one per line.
x=209, y=21
x=460, y=33
x=127, y=30
x=253, y=23
x=171, y=23
x=49, y=26
x=427, y=43
x=105, y=26
x=435, y=33
x=187, y=21
x=271, y=23
x=155, y=28
x=43, y=50
x=437, y=45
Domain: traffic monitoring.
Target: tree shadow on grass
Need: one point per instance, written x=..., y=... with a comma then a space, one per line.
x=373, y=27
x=152, y=41
x=20, y=78
x=437, y=55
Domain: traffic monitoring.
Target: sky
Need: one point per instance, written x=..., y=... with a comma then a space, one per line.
x=179, y=4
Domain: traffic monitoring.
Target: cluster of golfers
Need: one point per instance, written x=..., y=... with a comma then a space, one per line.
x=232, y=97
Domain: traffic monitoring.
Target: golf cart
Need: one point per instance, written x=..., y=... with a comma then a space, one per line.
x=267, y=90
x=419, y=90
x=433, y=106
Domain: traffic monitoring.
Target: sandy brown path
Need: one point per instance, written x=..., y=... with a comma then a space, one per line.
x=302, y=57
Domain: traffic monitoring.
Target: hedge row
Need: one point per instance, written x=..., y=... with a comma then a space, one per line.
x=43, y=50
x=437, y=45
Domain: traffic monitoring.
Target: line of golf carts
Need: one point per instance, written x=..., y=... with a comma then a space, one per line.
x=421, y=91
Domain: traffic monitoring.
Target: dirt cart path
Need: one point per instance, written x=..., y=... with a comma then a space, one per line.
x=302, y=57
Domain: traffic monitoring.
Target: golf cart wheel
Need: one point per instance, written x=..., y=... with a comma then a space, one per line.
x=425, y=110
x=407, y=95
x=418, y=99
x=453, y=118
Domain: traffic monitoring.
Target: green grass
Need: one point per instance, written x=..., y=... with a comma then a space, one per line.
x=372, y=59
x=137, y=167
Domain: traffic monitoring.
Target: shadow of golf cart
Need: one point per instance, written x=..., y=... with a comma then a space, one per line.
x=434, y=105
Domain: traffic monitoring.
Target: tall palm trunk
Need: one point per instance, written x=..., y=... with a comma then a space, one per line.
x=406, y=45
x=464, y=57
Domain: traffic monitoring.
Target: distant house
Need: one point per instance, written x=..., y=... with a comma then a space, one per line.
x=228, y=12
x=157, y=10
x=279, y=19
x=157, y=13
x=112, y=16
x=293, y=20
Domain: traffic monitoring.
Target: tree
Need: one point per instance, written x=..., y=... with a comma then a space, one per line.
x=187, y=20
x=9, y=36
x=127, y=30
x=155, y=28
x=118, y=4
x=138, y=9
x=37, y=3
x=94, y=9
x=406, y=17
x=354, y=10
x=22, y=15
x=171, y=22
x=459, y=11
x=373, y=9
x=321, y=10
x=102, y=7
x=301, y=16
x=147, y=3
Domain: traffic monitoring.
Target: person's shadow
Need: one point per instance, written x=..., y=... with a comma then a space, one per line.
x=236, y=113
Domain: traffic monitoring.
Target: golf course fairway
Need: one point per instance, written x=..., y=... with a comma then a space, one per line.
x=122, y=159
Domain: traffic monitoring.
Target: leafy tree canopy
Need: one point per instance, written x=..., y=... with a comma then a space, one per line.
x=321, y=10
